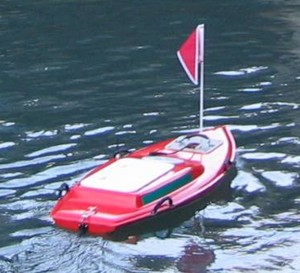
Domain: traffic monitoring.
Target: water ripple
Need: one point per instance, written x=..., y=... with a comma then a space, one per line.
x=32, y=162
x=242, y=71
x=53, y=149
x=281, y=178
x=99, y=131
x=50, y=174
x=7, y=145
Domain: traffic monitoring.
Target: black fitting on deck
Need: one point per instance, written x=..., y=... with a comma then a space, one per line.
x=62, y=190
x=82, y=229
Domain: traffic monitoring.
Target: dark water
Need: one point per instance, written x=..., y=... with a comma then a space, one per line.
x=79, y=78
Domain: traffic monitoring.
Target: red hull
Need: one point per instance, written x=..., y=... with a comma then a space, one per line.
x=147, y=182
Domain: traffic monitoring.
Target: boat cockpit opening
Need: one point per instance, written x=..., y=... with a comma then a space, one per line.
x=195, y=142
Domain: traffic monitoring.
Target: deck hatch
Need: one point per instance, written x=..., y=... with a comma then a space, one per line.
x=127, y=175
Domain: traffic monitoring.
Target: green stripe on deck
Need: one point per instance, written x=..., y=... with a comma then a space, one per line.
x=176, y=184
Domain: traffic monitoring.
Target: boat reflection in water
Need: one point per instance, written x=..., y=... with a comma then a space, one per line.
x=193, y=258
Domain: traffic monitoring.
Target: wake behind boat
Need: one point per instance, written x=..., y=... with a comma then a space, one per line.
x=158, y=179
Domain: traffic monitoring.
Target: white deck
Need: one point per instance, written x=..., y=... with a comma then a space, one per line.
x=127, y=174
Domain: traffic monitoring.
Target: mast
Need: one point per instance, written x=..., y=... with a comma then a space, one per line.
x=200, y=29
x=201, y=97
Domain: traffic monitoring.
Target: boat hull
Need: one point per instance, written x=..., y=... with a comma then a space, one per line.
x=147, y=184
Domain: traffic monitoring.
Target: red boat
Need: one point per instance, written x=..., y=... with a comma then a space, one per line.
x=153, y=181
x=145, y=183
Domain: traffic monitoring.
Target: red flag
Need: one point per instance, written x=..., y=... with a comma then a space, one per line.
x=191, y=53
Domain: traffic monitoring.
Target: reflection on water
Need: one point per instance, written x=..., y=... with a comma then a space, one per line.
x=81, y=79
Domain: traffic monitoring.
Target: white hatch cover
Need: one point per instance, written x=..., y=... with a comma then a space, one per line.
x=127, y=174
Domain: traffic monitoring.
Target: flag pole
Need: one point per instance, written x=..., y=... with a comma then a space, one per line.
x=201, y=58
x=201, y=96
